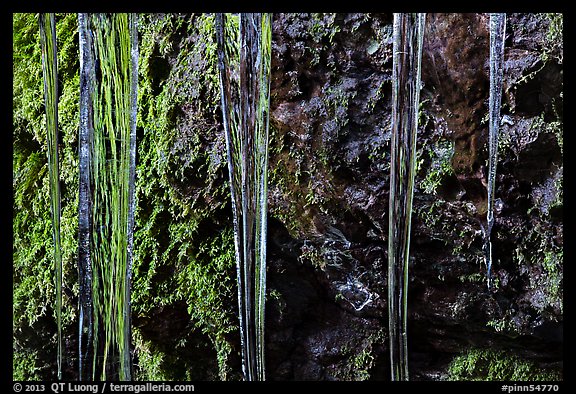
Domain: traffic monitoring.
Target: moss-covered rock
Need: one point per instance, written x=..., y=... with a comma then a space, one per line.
x=484, y=364
x=33, y=273
x=184, y=253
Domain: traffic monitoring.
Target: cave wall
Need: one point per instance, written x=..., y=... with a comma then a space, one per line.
x=326, y=313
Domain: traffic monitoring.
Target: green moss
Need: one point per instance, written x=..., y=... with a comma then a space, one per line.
x=539, y=252
x=336, y=99
x=555, y=127
x=164, y=363
x=25, y=366
x=287, y=176
x=182, y=190
x=439, y=168
x=360, y=359
x=486, y=364
x=475, y=277
x=323, y=30
x=205, y=283
x=377, y=96
x=362, y=363
x=150, y=364
x=33, y=266
x=552, y=264
x=505, y=324
x=431, y=214
x=553, y=45
x=27, y=97
x=314, y=256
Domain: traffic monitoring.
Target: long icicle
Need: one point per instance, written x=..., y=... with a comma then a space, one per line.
x=126, y=364
x=407, y=54
x=244, y=58
x=86, y=131
x=50, y=73
x=497, y=38
x=109, y=55
x=261, y=158
x=112, y=175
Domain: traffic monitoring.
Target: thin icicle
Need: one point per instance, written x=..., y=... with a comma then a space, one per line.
x=244, y=56
x=126, y=359
x=87, y=75
x=497, y=38
x=261, y=135
x=50, y=72
x=407, y=54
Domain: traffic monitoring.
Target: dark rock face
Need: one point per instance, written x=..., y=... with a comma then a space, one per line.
x=453, y=67
x=329, y=190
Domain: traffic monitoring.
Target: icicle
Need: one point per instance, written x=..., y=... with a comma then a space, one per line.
x=108, y=107
x=497, y=38
x=126, y=360
x=407, y=54
x=87, y=76
x=244, y=56
x=50, y=72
